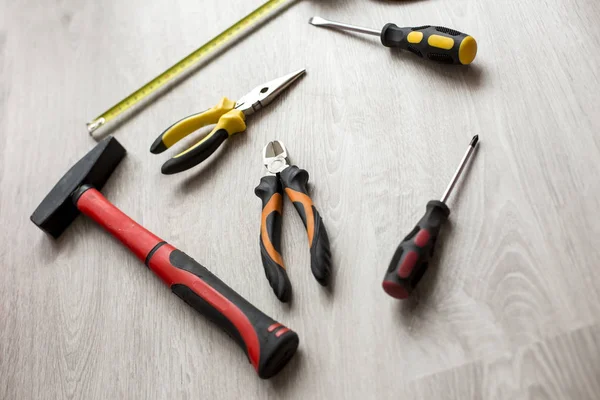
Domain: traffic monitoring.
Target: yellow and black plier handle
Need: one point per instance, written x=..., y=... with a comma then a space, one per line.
x=230, y=117
x=229, y=122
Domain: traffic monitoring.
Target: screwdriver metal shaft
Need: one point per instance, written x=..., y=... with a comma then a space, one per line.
x=318, y=21
x=460, y=168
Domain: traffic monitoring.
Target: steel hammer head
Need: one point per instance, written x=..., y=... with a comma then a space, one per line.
x=57, y=210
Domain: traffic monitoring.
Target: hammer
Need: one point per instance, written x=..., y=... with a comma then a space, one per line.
x=268, y=344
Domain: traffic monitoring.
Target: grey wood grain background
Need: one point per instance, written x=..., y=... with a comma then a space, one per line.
x=510, y=309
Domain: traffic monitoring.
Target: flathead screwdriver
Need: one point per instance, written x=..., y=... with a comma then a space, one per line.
x=434, y=43
x=412, y=256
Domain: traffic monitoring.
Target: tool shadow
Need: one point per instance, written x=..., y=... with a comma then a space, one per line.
x=286, y=382
x=51, y=248
x=398, y=1
x=472, y=75
x=332, y=4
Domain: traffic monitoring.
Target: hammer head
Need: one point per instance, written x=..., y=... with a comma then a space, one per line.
x=57, y=210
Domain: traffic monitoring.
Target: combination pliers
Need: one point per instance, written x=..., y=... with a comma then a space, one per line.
x=230, y=118
x=282, y=177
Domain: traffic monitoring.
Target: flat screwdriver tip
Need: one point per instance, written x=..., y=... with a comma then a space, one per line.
x=474, y=141
x=316, y=21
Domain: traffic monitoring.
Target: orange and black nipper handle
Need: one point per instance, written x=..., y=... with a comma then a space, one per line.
x=293, y=181
x=268, y=344
x=270, y=191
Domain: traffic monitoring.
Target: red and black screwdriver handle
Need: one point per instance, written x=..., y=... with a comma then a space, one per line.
x=414, y=252
x=293, y=181
x=268, y=344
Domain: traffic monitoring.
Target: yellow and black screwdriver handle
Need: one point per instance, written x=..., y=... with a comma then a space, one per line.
x=293, y=181
x=229, y=122
x=435, y=43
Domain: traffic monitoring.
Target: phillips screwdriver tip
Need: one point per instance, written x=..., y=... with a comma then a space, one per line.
x=474, y=141
x=461, y=167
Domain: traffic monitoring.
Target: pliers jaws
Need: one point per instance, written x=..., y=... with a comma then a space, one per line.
x=275, y=157
x=262, y=95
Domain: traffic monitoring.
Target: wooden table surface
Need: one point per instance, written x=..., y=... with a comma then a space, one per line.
x=510, y=307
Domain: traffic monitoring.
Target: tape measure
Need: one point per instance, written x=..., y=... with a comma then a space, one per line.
x=225, y=37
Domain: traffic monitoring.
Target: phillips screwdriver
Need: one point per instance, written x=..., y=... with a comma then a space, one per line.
x=435, y=43
x=414, y=252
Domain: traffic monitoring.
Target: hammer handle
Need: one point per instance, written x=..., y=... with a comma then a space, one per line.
x=268, y=344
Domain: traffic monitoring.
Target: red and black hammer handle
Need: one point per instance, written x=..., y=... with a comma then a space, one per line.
x=268, y=344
